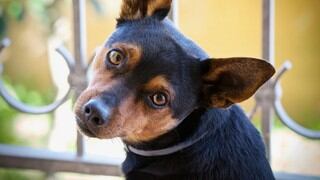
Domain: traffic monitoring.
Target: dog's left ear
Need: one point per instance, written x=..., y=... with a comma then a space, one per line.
x=138, y=9
x=232, y=80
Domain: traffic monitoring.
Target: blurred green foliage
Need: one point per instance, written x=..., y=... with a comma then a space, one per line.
x=310, y=121
x=12, y=174
x=7, y=114
x=16, y=10
x=7, y=135
x=45, y=11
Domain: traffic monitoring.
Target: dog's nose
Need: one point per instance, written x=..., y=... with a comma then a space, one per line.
x=96, y=112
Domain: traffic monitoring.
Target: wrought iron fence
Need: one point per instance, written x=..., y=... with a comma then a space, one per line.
x=268, y=98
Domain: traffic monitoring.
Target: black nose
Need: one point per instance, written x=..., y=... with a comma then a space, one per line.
x=96, y=112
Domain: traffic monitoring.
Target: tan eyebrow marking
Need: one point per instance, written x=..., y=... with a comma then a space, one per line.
x=132, y=52
x=160, y=82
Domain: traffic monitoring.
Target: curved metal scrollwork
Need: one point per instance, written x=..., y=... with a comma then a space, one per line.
x=273, y=94
x=290, y=123
x=281, y=112
x=13, y=102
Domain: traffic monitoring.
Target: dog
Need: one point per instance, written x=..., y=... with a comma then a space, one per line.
x=171, y=104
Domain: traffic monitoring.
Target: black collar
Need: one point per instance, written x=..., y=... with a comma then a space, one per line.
x=184, y=135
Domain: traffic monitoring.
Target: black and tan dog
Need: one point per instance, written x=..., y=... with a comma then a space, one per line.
x=171, y=104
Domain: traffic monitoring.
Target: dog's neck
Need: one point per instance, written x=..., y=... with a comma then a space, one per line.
x=182, y=136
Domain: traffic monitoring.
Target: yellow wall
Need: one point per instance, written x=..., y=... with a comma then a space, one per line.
x=298, y=39
x=233, y=28
x=223, y=27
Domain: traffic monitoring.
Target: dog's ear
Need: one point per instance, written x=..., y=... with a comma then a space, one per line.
x=232, y=80
x=138, y=9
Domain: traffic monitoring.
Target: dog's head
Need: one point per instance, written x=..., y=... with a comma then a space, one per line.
x=144, y=83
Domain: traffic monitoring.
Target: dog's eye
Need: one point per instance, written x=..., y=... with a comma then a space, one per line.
x=159, y=99
x=115, y=57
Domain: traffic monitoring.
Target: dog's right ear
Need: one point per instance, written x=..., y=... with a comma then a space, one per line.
x=138, y=9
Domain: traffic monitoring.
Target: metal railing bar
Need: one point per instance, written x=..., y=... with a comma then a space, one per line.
x=287, y=65
x=80, y=144
x=268, y=55
x=79, y=28
x=175, y=12
x=268, y=29
x=66, y=56
x=49, y=161
x=290, y=176
x=253, y=111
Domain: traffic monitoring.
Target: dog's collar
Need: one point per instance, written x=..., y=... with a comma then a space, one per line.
x=169, y=150
x=165, y=151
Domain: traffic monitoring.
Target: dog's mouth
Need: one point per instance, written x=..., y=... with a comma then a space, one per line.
x=83, y=128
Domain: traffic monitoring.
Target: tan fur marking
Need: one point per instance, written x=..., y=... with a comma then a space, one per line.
x=132, y=52
x=135, y=121
x=160, y=83
x=101, y=80
x=132, y=9
x=132, y=120
x=100, y=74
x=158, y=121
x=155, y=5
x=137, y=9
x=93, y=90
x=144, y=123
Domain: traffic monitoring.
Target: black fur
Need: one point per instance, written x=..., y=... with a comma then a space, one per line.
x=232, y=149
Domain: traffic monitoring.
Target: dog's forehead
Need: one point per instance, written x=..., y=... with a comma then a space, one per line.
x=151, y=36
x=160, y=53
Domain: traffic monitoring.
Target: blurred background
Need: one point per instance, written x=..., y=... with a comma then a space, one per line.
x=35, y=74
